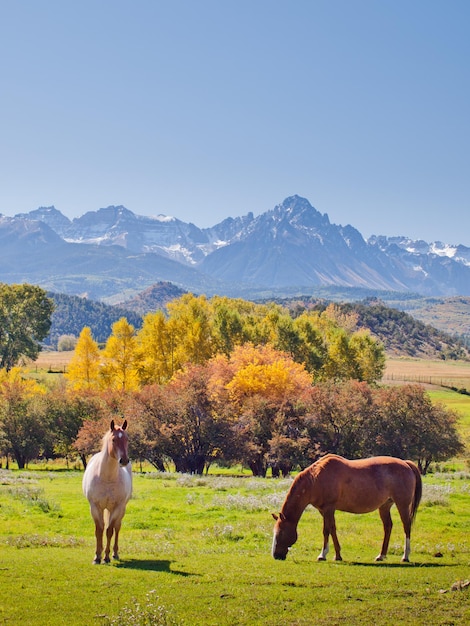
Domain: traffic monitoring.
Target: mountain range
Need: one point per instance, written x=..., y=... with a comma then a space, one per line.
x=112, y=254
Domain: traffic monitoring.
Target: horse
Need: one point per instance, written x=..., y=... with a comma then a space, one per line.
x=360, y=486
x=107, y=484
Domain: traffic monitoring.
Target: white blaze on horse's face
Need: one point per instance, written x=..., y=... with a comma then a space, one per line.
x=284, y=536
x=119, y=442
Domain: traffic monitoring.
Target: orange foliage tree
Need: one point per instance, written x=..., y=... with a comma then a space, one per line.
x=263, y=394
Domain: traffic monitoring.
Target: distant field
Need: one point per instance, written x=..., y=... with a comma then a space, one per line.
x=52, y=361
x=447, y=373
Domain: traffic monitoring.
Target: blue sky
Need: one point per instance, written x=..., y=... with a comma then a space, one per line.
x=204, y=109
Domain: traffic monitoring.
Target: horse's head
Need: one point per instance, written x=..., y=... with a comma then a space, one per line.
x=118, y=441
x=284, y=536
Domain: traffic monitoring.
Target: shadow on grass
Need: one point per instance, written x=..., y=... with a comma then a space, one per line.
x=400, y=565
x=151, y=565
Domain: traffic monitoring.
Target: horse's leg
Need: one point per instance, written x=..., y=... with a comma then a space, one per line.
x=329, y=528
x=404, y=510
x=97, y=515
x=117, y=528
x=386, y=518
x=326, y=536
x=334, y=536
x=109, y=536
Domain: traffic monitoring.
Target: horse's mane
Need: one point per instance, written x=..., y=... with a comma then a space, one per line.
x=104, y=441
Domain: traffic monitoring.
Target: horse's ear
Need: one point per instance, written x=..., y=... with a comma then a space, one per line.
x=275, y=516
x=124, y=426
x=112, y=424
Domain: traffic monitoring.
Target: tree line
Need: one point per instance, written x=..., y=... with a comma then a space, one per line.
x=227, y=381
x=229, y=411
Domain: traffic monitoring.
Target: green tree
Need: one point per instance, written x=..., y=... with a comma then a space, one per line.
x=22, y=424
x=67, y=411
x=25, y=320
x=368, y=356
x=408, y=425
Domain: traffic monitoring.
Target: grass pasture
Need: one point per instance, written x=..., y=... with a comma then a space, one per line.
x=196, y=550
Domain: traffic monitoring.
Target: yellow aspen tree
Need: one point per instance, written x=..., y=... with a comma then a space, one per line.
x=190, y=323
x=119, y=368
x=84, y=367
x=155, y=350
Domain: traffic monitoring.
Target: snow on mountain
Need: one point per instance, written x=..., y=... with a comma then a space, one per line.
x=292, y=244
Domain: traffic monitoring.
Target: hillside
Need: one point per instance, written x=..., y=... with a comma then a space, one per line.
x=72, y=313
x=155, y=297
x=404, y=335
x=451, y=315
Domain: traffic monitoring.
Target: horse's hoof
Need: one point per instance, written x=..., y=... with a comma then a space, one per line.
x=405, y=560
x=116, y=557
x=96, y=561
x=107, y=559
x=338, y=558
x=379, y=558
x=321, y=558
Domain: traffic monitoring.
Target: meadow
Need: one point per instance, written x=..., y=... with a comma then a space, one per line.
x=196, y=550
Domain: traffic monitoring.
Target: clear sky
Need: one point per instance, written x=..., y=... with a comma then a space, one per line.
x=205, y=109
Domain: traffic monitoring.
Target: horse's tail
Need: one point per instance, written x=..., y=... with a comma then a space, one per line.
x=418, y=490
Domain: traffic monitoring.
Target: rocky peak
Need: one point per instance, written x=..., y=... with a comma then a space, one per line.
x=48, y=215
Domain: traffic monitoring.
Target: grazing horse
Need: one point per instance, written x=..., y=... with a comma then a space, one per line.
x=361, y=486
x=107, y=483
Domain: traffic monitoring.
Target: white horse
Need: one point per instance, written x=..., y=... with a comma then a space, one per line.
x=107, y=484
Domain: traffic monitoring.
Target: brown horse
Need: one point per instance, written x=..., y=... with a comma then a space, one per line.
x=362, y=486
x=107, y=483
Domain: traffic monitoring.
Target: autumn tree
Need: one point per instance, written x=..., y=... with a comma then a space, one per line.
x=190, y=324
x=260, y=391
x=155, y=350
x=25, y=320
x=84, y=368
x=119, y=368
x=89, y=437
x=195, y=432
x=338, y=418
x=147, y=411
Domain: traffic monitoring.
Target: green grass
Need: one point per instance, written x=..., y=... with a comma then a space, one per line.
x=196, y=550
x=457, y=402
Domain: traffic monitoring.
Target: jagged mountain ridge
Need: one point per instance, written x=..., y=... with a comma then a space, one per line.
x=292, y=245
